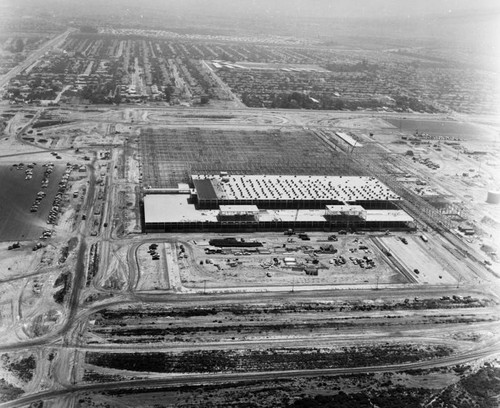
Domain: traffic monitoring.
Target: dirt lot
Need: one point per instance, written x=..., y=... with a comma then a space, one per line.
x=152, y=272
x=366, y=260
x=240, y=267
x=451, y=164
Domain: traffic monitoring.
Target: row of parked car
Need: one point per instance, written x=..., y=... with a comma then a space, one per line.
x=39, y=197
x=56, y=204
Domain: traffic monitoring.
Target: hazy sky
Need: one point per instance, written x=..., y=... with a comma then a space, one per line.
x=361, y=8
x=311, y=8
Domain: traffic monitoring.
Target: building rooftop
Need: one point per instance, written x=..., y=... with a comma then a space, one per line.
x=204, y=188
x=348, y=139
x=387, y=215
x=165, y=208
x=238, y=209
x=281, y=187
x=160, y=208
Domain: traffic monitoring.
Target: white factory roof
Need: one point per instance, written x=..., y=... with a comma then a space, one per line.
x=282, y=187
x=292, y=215
x=388, y=215
x=160, y=208
x=174, y=208
x=239, y=209
x=344, y=208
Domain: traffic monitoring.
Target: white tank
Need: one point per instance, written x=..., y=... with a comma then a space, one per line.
x=493, y=197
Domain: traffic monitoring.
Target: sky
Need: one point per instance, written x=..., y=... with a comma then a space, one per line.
x=360, y=8
x=290, y=8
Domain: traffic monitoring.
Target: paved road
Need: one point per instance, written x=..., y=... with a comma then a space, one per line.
x=34, y=56
x=493, y=349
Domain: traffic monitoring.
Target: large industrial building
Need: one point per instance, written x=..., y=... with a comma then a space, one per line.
x=295, y=192
x=224, y=202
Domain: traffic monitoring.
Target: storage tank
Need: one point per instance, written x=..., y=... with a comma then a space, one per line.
x=493, y=197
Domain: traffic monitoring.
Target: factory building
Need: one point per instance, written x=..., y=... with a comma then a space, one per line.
x=291, y=192
x=224, y=202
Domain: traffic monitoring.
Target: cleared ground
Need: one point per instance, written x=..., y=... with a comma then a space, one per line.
x=152, y=272
x=461, y=130
x=343, y=262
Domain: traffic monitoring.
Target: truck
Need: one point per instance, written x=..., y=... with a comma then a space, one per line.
x=233, y=242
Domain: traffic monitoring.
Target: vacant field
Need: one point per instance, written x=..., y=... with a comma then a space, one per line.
x=460, y=130
x=18, y=194
x=169, y=156
x=152, y=272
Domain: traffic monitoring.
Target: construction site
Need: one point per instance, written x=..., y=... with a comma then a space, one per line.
x=309, y=236
x=218, y=181
x=275, y=169
x=261, y=202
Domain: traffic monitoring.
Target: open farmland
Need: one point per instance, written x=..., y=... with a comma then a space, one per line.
x=170, y=156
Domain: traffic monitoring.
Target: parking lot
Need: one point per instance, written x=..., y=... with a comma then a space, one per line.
x=17, y=222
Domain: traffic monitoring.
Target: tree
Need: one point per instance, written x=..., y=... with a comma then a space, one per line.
x=19, y=45
x=118, y=97
x=169, y=90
